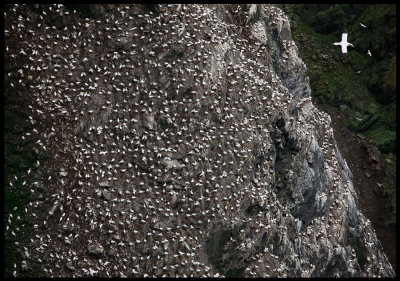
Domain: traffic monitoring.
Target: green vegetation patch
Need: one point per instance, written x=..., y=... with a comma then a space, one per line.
x=382, y=138
x=364, y=84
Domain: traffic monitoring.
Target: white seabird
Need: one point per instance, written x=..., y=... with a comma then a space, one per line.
x=362, y=25
x=344, y=42
x=369, y=53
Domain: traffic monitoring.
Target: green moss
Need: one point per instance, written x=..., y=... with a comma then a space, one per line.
x=335, y=82
x=391, y=77
x=382, y=138
x=366, y=85
x=319, y=38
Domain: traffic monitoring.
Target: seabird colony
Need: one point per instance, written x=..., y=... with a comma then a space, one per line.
x=151, y=120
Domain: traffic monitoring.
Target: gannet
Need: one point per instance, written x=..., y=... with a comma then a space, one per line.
x=344, y=42
x=362, y=25
x=369, y=53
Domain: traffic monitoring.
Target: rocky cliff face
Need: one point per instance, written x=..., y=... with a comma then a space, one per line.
x=183, y=142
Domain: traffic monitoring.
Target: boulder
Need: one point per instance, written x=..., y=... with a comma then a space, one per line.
x=95, y=249
x=148, y=121
x=171, y=164
x=106, y=195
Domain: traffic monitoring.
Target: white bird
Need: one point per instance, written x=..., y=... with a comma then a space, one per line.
x=362, y=25
x=359, y=119
x=91, y=271
x=344, y=44
x=369, y=53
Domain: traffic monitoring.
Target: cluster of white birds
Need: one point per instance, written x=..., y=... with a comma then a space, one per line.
x=152, y=120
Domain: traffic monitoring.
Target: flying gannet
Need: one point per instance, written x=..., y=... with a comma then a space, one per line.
x=344, y=42
x=369, y=53
x=362, y=25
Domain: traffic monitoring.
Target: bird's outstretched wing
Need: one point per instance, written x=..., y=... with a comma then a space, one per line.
x=344, y=37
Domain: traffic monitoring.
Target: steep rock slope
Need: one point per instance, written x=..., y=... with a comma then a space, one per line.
x=183, y=142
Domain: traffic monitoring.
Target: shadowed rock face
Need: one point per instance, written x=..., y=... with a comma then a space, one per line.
x=87, y=10
x=192, y=149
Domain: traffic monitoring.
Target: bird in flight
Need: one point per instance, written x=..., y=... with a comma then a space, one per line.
x=344, y=44
x=362, y=25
